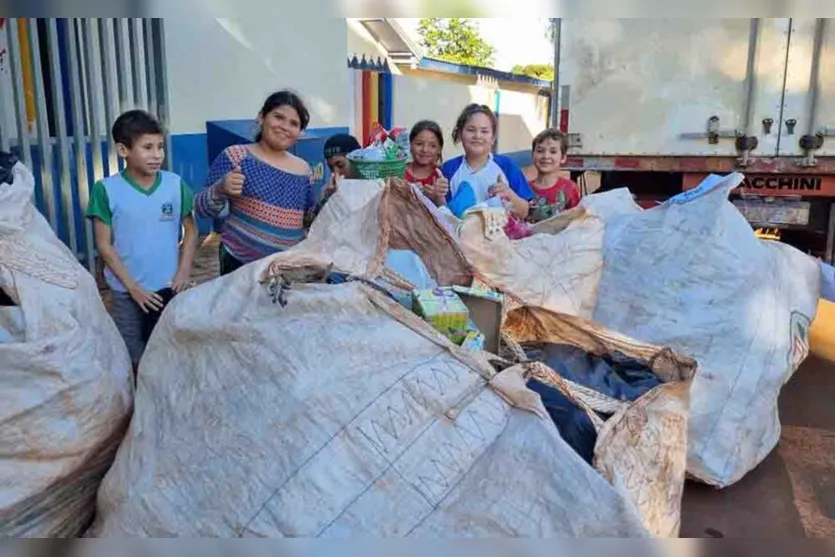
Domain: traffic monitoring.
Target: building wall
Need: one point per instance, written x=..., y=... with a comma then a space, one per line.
x=448, y=77
x=441, y=96
x=220, y=69
x=223, y=68
x=521, y=117
x=418, y=99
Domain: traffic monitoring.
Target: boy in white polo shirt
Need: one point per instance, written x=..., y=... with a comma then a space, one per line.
x=139, y=214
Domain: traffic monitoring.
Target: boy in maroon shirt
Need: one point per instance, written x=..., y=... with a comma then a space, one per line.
x=553, y=194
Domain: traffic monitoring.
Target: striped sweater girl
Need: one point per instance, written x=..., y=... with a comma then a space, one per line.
x=270, y=214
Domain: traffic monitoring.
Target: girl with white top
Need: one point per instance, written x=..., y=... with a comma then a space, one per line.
x=479, y=176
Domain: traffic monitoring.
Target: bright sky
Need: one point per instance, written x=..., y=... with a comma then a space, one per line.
x=517, y=40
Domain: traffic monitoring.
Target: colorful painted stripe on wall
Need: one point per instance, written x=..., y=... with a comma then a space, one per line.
x=386, y=99
x=373, y=100
x=374, y=95
x=28, y=79
x=365, y=103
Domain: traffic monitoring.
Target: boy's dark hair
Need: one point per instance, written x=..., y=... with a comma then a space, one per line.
x=285, y=98
x=554, y=134
x=340, y=145
x=469, y=111
x=427, y=125
x=132, y=125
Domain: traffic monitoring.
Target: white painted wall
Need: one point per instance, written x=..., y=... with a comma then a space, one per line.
x=521, y=115
x=223, y=68
x=418, y=99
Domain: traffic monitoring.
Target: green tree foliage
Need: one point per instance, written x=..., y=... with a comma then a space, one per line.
x=539, y=71
x=455, y=40
x=465, y=8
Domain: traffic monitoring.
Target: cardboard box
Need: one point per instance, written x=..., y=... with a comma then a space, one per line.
x=474, y=341
x=480, y=292
x=486, y=309
x=444, y=310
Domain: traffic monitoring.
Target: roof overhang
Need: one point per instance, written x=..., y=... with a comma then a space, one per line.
x=392, y=37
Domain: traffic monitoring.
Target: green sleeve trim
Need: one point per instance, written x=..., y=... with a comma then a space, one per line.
x=187, y=197
x=99, y=205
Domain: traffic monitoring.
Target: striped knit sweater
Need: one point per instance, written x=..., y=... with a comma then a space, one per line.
x=270, y=214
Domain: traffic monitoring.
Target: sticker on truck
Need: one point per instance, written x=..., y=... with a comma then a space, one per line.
x=805, y=185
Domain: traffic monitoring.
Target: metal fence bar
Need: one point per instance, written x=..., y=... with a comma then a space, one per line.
x=61, y=131
x=162, y=80
x=82, y=79
x=42, y=125
x=81, y=30
x=16, y=66
x=5, y=141
x=125, y=65
x=74, y=38
x=151, y=64
x=111, y=86
x=139, y=63
x=94, y=86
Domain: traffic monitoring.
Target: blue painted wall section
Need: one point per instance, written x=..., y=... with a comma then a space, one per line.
x=190, y=158
x=386, y=100
x=222, y=134
x=522, y=158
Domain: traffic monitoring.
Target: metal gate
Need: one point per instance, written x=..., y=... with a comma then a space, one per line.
x=62, y=84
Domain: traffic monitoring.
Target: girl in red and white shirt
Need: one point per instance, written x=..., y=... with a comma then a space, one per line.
x=427, y=144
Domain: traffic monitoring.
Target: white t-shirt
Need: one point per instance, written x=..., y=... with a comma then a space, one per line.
x=480, y=180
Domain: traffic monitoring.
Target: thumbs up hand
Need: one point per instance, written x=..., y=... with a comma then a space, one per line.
x=233, y=182
x=333, y=184
x=518, y=206
x=501, y=189
x=437, y=190
x=441, y=184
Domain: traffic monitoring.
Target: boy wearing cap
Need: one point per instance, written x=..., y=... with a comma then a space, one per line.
x=337, y=148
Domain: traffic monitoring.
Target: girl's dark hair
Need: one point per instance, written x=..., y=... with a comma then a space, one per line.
x=469, y=111
x=427, y=125
x=285, y=98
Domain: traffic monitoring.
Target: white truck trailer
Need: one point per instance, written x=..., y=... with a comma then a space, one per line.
x=657, y=104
